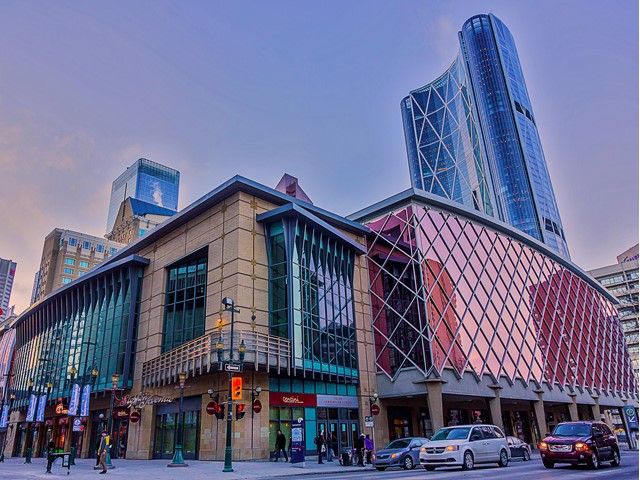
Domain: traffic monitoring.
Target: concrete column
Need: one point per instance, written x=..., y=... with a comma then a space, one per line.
x=595, y=408
x=573, y=408
x=495, y=407
x=434, y=399
x=541, y=419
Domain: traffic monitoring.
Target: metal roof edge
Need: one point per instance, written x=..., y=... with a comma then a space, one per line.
x=291, y=209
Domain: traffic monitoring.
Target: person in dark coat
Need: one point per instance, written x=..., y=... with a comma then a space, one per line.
x=281, y=443
x=50, y=458
x=321, y=446
x=104, y=446
x=360, y=450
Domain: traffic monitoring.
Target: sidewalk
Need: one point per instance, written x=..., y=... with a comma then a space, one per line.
x=15, y=469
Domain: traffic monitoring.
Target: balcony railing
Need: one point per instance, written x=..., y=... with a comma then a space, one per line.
x=200, y=356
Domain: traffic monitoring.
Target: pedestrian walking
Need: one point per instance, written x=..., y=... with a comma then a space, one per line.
x=320, y=446
x=281, y=443
x=104, y=446
x=50, y=458
x=368, y=446
x=360, y=450
x=332, y=443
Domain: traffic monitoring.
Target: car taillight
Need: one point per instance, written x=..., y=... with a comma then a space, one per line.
x=542, y=445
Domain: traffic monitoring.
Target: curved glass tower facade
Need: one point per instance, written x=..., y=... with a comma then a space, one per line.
x=443, y=141
x=508, y=161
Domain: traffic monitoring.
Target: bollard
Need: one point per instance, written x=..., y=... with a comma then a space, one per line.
x=72, y=457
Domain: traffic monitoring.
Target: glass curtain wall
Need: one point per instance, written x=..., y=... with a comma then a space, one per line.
x=184, y=302
x=315, y=308
x=91, y=326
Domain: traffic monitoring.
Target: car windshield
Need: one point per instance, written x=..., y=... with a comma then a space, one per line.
x=572, y=430
x=451, y=434
x=402, y=443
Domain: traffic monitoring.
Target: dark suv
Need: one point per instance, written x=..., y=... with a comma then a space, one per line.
x=580, y=442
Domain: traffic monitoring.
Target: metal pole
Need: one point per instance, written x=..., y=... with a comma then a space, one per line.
x=110, y=427
x=28, y=439
x=228, y=466
x=178, y=459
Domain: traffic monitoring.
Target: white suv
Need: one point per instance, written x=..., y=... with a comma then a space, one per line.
x=465, y=445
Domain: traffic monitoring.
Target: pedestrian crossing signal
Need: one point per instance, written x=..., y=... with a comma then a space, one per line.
x=236, y=388
x=240, y=411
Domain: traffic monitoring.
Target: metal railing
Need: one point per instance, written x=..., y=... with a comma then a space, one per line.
x=199, y=356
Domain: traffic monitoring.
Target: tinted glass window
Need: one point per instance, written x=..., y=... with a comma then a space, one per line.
x=476, y=434
x=402, y=443
x=605, y=429
x=572, y=430
x=451, y=434
x=497, y=432
x=488, y=433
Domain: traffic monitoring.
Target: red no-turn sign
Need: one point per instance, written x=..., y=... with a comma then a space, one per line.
x=135, y=416
x=375, y=409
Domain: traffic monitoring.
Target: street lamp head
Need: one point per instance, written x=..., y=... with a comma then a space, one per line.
x=210, y=392
x=242, y=350
x=115, y=378
x=182, y=377
x=12, y=397
x=258, y=389
x=30, y=383
x=228, y=303
x=49, y=386
x=374, y=397
x=72, y=371
x=94, y=372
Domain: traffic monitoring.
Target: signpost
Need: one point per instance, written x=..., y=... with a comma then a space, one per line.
x=232, y=367
x=297, y=442
x=368, y=422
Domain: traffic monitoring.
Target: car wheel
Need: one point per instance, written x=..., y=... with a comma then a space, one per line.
x=407, y=464
x=547, y=464
x=467, y=461
x=615, y=461
x=594, y=461
x=504, y=459
x=526, y=456
x=381, y=469
x=429, y=468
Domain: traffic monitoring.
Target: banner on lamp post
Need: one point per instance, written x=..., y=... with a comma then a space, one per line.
x=4, y=418
x=75, y=400
x=31, y=410
x=84, y=402
x=42, y=403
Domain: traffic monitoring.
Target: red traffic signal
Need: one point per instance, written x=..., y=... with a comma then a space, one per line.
x=236, y=388
x=214, y=408
x=240, y=411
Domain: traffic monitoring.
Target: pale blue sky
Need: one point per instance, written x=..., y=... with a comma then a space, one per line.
x=310, y=88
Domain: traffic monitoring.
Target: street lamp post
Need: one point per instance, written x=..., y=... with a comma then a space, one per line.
x=178, y=460
x=27, y=456
x=12, y=397
x=72, y=373
x=115, y=378
x=229, y=306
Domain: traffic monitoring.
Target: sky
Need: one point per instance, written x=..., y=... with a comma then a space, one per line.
x=256, y=88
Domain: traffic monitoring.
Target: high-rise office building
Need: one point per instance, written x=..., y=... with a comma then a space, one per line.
x=7, y=274
x=146, y=181
x=471, y=136
x=67, y=255
x=621, y=279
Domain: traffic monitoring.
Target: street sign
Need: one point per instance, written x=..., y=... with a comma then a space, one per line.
x=77, y=424
x=297, y=442
x=135, y=416
x=212, y=408
x=257, y=406
x=368, y=422
x=232, y=367
x=375, y=409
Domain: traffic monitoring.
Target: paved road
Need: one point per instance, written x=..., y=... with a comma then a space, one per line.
x=533, y=470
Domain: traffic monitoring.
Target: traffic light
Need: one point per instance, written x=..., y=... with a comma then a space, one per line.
x=219, y=411
x=240, y=411
x=236, y=388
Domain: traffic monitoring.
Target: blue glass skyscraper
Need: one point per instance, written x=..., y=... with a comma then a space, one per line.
x=146, y=181
x=473, y=137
